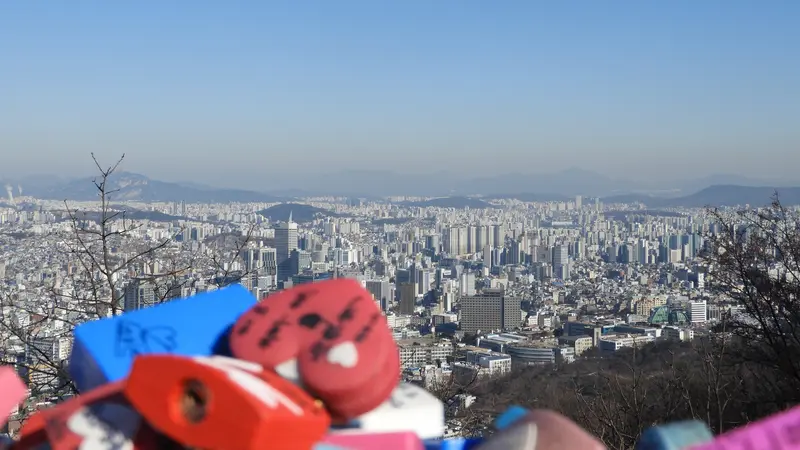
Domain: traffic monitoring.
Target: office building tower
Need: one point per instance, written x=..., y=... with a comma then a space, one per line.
x=299, y=260
x=698, y=311
x=262, y=259
x=560, y=258
x=490, y=310
x=285, y=242
x=408, y=298
x=381, y=291
x=139, y=294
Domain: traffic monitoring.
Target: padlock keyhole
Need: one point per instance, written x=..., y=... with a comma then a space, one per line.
x=194, y=402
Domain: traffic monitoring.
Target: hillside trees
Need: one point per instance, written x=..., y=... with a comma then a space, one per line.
x=754, y=261
x=94, y=253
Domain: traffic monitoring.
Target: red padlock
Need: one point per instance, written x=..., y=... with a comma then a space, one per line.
x=100, y=418
x=329, y=337
x=220, y=403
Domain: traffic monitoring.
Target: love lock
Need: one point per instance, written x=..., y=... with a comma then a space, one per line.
x=104, y=349
x=98, y=420
x=221, y=403
x=330, y=337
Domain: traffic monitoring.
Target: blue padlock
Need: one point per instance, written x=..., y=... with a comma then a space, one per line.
x=675, y=436
x=104, y=349
x=511, y=416
x=453, y=444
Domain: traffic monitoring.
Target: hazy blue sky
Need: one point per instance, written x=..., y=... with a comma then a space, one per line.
x=226, y=91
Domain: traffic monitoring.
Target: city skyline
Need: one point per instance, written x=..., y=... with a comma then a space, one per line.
x=214, y=93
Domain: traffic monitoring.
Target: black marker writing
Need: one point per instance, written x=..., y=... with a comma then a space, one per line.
x=313, y=320
x=367, y=329
x=261, y=309
x=244, y=328
x=318, y=349
x=134, y=339
x=301, y=298
x=348, y=313
x=273, y=333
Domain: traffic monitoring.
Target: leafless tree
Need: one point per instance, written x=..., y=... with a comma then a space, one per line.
x=754, y=259
x=101, y=247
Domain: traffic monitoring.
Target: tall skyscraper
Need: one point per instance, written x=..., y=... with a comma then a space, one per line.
x=285, y=242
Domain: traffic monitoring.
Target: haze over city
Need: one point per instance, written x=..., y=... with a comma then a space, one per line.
x=418, y=224
x=259, y=95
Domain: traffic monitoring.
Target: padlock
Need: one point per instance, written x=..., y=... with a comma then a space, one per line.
x=12, y=392
x=778, y=432
x=360, y=440
x=104, y=349
x=329, y=337
x=453, y=444
x=510, y=416
x=675, y=436
x=98, y=420
x=221, y=403
x=539, y=429
x=409, y=408
x=524, y=435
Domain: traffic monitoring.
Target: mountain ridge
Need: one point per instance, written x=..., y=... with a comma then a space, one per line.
x=133, y=187
x=374, y=185
x=717, y=195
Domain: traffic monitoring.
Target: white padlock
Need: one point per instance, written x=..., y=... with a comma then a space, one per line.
x=410, y=408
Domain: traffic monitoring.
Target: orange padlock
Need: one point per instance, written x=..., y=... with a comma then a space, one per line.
x=221, y=403
x=97, y=419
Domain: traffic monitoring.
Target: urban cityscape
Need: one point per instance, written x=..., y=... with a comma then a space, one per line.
x=578, y=221
x=471, y=288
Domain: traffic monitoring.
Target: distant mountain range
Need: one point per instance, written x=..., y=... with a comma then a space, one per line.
x=131, y=187
x=460, y=191
x=720, y=195
x=543, y=186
